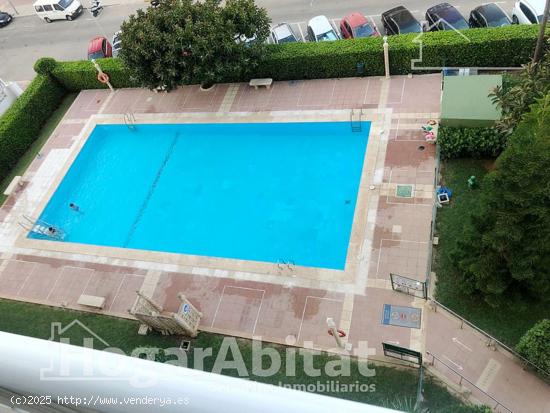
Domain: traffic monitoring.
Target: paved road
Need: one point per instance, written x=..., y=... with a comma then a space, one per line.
x=29, y=38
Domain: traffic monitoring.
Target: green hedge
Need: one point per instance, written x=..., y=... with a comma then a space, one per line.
x=81, y=74
x=470, y=142
x=498, y=47
x=21, y=124
x=535, y=345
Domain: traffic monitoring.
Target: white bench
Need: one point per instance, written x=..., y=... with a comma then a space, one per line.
x=261, y=82
x=91, y=301
x=16, y=181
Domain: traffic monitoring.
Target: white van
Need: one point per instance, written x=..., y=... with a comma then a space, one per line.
x=57, y=9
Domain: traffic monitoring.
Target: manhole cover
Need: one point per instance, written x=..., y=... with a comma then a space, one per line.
x=404, y=191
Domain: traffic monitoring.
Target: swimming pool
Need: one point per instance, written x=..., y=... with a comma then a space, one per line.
x=270, y=192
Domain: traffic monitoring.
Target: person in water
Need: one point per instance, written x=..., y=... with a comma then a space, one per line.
x=52, y=230
x=74, y=207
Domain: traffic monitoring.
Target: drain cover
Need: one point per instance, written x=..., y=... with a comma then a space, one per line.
x=404, y=191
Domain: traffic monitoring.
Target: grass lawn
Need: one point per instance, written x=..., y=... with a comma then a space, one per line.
x=35, y=148
x=506, y=324
x=394, y=387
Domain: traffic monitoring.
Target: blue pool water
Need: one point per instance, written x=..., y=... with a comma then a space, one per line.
x=262, y=192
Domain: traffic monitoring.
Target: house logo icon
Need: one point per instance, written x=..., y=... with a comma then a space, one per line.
x=65, y=364
x=62, y=334
x=418, y=40
x=70, y=363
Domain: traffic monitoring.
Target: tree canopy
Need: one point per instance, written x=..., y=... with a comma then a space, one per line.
x=520, y=91
x=505, y=252
x=186, y=41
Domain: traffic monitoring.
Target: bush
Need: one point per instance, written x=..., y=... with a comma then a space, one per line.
x=535, y=345
x=45, y=65
x=498, y=47
x=81, y=74
x=21, y=123
x=470, y=142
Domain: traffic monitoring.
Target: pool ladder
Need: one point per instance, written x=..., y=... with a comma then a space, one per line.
x=42, y=227
x=130, y=120
x=356, y=119
x=283, y=265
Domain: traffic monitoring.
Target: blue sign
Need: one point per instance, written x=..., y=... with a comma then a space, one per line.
x=386, y=316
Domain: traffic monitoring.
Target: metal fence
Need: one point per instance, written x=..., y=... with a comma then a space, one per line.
x=491, y=341
x=463, y=381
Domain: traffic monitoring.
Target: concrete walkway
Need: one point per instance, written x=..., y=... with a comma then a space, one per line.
x=284, y=305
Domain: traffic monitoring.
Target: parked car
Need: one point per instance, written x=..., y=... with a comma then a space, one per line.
x=117, y=43
x=283, y=33
x=5, y=18
x=319, y=29
x=443, y=16
x=528, y=11
x=248, y=41
x=99, y=47
x=50, y=10
x=400, y=20
x=356, y=25
x=489, y=15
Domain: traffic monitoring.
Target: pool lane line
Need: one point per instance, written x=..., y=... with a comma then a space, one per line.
x=151, y=189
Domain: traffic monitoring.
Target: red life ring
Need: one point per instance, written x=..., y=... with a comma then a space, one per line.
x=103, y=77
x=341, y=333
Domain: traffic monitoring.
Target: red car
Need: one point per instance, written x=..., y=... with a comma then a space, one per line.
x=99, y=47
x=356, y=25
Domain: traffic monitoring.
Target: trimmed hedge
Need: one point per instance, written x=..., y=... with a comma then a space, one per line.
x=45, y=65
x=470, y=142
x=497, y=47
x=81, y=74
x=535, y=345
x=22, y=122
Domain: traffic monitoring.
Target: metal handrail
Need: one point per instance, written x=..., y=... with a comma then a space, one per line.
x=358, y=121
x=490, y=337
x=434, y=219
x=498, y=403
x=130, y=120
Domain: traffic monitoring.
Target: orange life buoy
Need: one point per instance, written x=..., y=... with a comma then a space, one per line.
x=103, y=77
x=341, y=333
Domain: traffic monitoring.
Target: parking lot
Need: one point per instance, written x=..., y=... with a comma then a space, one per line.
x=300, y=26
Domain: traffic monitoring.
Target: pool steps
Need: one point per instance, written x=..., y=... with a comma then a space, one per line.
x=42, y=228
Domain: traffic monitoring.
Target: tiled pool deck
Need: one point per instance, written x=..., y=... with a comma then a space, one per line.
x=279, y=303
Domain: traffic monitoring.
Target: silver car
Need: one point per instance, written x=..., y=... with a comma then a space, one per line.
x=117, y=44
x=283, y=33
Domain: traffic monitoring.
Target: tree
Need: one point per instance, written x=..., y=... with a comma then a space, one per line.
x=535, y=345
x=505, y=251
x=186, y=41
x=521, y=91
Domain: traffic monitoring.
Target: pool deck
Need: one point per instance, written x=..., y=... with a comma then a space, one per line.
x=284, y=304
